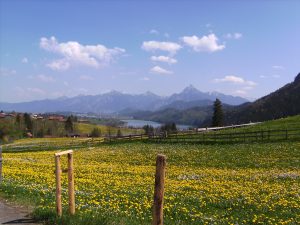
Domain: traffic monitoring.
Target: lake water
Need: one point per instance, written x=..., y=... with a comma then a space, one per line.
x=141, y=123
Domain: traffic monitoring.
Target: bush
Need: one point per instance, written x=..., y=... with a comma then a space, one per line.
x=96, y=132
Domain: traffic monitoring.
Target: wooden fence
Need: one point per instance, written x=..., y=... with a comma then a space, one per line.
x=229, y=137
x=207, y=137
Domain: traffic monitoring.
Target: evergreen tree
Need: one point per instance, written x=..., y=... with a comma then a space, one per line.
x=18, y=121
x=218, y=116
x=119, y=133
x=148, y=129
x=96, y=132
x=28, y=122
x=69, y=125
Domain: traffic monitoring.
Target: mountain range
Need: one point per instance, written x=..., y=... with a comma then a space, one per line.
x=115, y=102
x=190, y=106
x=280, y=103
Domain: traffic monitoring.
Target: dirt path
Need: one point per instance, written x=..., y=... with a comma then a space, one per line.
x=14, y=215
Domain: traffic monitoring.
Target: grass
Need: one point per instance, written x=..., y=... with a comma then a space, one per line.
x=206, y=184
x=86, y=128
x=292, y=122
x=270, y=131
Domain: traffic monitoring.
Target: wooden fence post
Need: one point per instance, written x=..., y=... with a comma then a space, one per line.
x=159, y=190
x=58, y=185
x=71, y=191
x=1, y=163
x=71, y=184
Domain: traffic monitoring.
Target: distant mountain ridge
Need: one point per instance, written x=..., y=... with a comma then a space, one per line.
x=115, y=101
x=281, y=103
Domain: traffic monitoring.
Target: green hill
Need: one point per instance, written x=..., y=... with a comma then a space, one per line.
x=281, y=103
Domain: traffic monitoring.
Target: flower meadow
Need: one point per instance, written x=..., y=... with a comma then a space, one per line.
x=205, y=184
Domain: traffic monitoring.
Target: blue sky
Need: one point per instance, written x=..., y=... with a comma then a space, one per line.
x=57, y=48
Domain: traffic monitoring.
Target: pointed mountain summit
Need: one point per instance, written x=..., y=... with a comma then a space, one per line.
x=190, y=93
x=115, y=101
x=190, y=89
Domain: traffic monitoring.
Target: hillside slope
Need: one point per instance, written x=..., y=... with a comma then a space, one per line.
x=281, y=103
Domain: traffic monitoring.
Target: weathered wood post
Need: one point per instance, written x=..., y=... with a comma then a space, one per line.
x=58, y=185
x=71, y=190
x=71, y=184
x=159, y=190
x=1, y=163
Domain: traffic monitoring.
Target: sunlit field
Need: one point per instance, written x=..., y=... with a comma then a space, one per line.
x=206, y=184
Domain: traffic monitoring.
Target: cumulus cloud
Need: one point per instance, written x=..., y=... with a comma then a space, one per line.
x=152, y=46
x=240, y=92
x=24, y=60
x=235, y=36
x=153, y=31
x=145, y=79
x=165, y=59
x=207, y=43
x=44, y=78
x=166, y=35
x=29, y=92
x=278, y=67
x=74, y=53
x=159, y=70
x=235, y=79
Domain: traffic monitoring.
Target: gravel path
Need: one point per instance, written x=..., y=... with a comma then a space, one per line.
x=14, y=215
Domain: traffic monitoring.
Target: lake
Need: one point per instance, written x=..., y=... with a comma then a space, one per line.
x=141, y=123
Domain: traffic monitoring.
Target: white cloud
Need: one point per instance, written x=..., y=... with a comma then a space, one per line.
x=74, y=53
x=159, y=70
x=66, y=84
x=36, y=91
x=235, y=36
x=24, y=60
x=170, y=47
x=248, y=88
x=145, y=78
x=153, y=31
x=165, y=59
x=86, y=77
x=7, y=72
x=207, y=43
x=278, y=67
x=240, y=92
x=60, y=64
x=29, y=92
x=83, y=90
x=236, y=80
x=44, y=78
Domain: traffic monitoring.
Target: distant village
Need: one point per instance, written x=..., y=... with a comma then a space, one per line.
x=53, y=117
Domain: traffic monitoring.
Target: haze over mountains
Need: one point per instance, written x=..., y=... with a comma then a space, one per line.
x=191, y=106
x=114, y=102
x=281, y=103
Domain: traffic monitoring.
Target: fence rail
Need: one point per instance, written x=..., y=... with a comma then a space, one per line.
x=209, y=137
x=229, y=137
